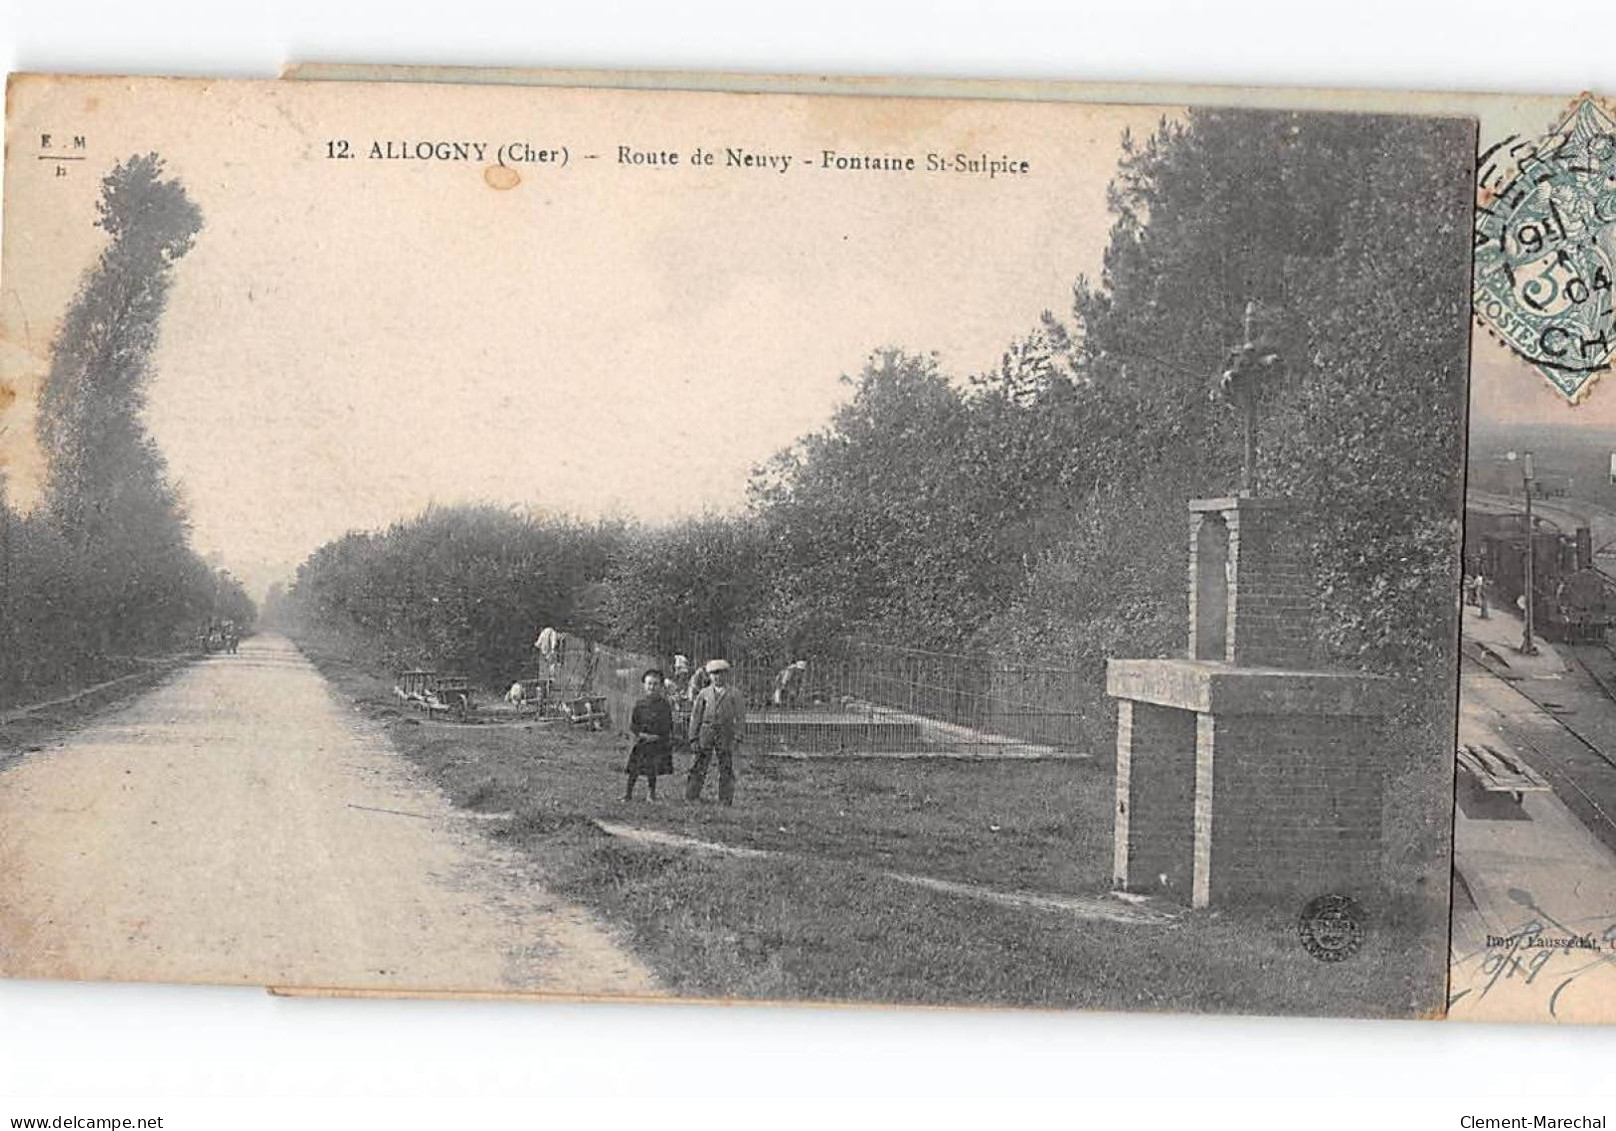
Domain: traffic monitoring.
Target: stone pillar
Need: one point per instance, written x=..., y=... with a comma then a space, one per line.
x=1206, y=748
x=1209, y=586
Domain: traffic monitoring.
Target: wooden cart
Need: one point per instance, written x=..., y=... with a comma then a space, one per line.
x=433, y=694
x=1494, y=769
x=588, y=711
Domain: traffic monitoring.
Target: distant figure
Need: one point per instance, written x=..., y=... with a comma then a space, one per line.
x=552, y=649
x=514, y=695
x=675, y=683
x=652, y=721
x=1481, y=596
x=788, y=684
x=699, y=679
x=716, y=722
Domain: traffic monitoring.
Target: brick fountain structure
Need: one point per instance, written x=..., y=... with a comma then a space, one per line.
x=1242, y=773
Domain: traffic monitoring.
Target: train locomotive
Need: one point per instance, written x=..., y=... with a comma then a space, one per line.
x=1574, y=600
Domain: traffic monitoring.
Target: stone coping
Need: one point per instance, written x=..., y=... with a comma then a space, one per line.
x=1241, y=503
x=1218, y=688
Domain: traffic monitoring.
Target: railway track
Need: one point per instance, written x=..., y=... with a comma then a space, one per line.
x=1580, y=652
x=1589, y=788
x=1605, y=683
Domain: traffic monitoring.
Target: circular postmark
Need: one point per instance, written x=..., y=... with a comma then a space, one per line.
x=1545, y=247
x=1331, y=928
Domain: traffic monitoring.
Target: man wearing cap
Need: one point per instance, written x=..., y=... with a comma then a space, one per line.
x=716, y=721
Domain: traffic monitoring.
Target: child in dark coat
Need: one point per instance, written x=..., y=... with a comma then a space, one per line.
x=652, y=722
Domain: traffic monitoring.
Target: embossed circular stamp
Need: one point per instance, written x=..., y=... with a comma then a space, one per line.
x=1331, y=928
x=1545, y=247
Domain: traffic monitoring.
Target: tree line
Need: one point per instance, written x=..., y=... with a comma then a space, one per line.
x=1036, y=511
x=101, y=572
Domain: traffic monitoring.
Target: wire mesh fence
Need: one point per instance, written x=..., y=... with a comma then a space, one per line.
x=861, y=698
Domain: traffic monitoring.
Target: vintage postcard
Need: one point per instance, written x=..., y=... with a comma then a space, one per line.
x=1534, y=912
x=658, y=544
x=1535, y=838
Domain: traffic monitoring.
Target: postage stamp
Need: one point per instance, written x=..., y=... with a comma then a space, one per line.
x=1545, y=250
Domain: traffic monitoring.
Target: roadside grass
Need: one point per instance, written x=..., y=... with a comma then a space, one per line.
x=810, y=930
x=26, y=731
x=820, y=921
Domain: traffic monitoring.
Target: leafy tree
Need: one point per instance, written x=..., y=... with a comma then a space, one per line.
x=41, y=629
x=107, y=490
x=1226, y=207
x=1371, y=437
x=458, y=587
x=885, y=521
x=697, y=584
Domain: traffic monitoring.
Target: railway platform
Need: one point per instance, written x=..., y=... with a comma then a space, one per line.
x=1543, y=866
x=1500, y=636
x=1539, y=868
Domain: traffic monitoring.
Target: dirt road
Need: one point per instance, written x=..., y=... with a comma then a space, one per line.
x=240, y=824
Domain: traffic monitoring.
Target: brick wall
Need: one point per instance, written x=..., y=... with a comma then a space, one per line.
x=1298, y=806
x=1271, y=594
x=1155, y=819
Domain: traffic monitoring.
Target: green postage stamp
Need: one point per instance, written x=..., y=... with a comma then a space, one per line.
x=1546, y=246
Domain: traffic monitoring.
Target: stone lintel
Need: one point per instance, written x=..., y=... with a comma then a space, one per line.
x=1213, y=687
x=1239, y=503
